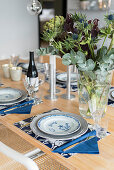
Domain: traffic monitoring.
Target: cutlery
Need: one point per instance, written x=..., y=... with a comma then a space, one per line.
x=60, y=149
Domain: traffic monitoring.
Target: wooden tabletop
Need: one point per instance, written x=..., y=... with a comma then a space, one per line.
x=102, y=161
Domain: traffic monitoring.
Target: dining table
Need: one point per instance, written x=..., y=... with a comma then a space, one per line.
x=102, y=161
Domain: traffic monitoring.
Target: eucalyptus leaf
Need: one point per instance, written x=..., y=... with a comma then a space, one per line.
x=106, y=59
x=66, y=59
x=82, y=66
x=112, y=56
x=38, y=52
x=50, y=49
x=91, y=75
x=73, y=60
x=104, y=65
x=44, y=51
x=72, y=53
x=102, y=51
x=81, y=54
x=90, y=65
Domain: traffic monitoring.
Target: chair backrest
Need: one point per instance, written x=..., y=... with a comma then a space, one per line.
x=27, y=162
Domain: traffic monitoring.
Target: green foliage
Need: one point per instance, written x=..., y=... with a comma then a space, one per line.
x=53, y=28
x=47, y=50
x=75, y=39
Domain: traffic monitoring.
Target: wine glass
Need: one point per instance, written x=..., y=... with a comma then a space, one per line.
x=97, y=114
x=14, y=59
x=46, y=71
x=30, y=87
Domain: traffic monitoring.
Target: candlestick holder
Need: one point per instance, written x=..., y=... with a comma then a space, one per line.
x=68, y=96
x=52, y=69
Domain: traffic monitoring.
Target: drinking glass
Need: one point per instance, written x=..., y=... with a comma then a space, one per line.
x=30, y=89
x=14, y=59
x=102, y=127
x=46, y=71
x=100, y=123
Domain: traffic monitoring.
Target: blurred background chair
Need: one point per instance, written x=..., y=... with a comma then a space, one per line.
x=17, y=160
x=10, y=140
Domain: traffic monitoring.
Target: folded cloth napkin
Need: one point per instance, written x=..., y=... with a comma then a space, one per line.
x=89, y=146
x=21, y=108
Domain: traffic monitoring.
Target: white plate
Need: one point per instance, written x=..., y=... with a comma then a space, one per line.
x=9, y=94
x=111, y=94
x=83, y=126
x=58, y=124
x=23, y=97
x=39, y=66
x=63, y=77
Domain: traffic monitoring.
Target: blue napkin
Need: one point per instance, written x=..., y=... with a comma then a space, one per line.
x=89, y=146
x=21, y=108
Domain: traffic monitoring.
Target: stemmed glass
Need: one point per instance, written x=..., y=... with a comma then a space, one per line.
x=97, y=114
x=30, y=89
x=14, y=59
x=46, y=71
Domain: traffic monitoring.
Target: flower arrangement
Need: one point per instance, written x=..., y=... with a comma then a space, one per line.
x=76, y=40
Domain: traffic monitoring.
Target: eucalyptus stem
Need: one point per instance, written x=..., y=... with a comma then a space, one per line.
x=111, y=43
x=103, y=42
x=91, y=49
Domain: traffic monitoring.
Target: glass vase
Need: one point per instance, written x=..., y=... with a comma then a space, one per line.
x=93, y=93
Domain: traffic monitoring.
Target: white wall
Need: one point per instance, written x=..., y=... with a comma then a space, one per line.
x=18, y=29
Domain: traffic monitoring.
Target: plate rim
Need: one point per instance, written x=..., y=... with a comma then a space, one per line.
x=109, y=96
x=64, y=80
x=10, y=88
x=111, y=93
x=23, y=97
x=60, y=115
x=36, y=131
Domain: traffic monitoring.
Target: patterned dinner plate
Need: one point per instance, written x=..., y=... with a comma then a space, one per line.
x=83, y=126
x=63, y=77
x=9, y=94
x=58, y=124
x=20, y=99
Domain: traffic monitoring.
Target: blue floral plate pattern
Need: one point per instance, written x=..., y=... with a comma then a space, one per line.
x=58, y=124
x=24, y=125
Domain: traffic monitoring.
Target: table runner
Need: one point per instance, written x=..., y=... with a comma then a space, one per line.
x=24, y=125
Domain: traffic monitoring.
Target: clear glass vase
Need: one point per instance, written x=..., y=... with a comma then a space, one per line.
x=93, y=93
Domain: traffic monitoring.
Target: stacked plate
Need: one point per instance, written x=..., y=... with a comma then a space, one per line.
x=9, y=96
x=59, y=125
x=111, y=94
x=62, y=78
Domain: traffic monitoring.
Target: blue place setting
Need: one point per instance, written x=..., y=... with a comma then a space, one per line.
x=61, y=80
x=40, y=127
x=14, y=101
